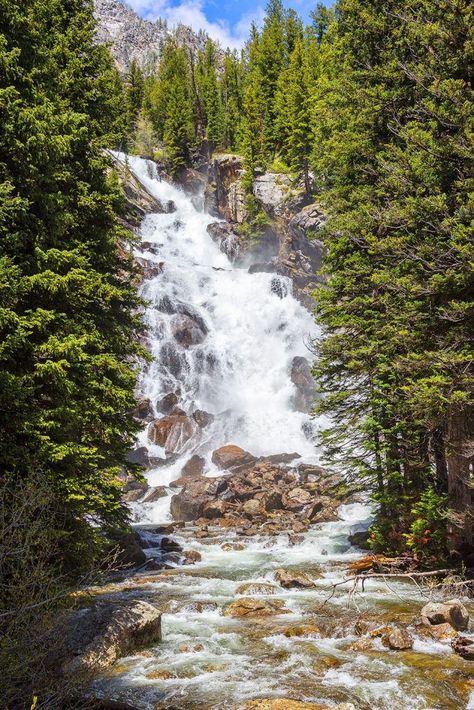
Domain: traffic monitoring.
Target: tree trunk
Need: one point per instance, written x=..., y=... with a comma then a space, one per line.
x=459, y=459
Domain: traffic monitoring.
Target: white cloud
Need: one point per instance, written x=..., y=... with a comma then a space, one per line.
x=191, y=13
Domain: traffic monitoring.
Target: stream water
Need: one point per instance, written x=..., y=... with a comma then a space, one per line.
x=239, y=372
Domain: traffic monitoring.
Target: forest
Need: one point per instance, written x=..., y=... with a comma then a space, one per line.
x=369, y=110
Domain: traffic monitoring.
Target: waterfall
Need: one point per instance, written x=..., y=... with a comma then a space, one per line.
x=222, y=339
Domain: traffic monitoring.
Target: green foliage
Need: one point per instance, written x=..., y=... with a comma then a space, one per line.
x=428, y=531
x=68, y=312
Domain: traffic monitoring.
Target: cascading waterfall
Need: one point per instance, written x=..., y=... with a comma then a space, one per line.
x=246, y=333
x=246, y=329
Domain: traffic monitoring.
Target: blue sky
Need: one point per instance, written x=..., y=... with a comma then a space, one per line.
x=228, y=21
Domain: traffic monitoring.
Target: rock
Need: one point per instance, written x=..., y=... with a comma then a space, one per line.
x=464, y=647
x=215, y=509
x=231, y=457
x=149, y=269
x=198, y=492
x=288, y=704
x=202, y=418
x=271, y=190
x=226, y=237
x=98, y=636
x=360, y=539
x=451, y=612
x=173, y=432
x=166, y=404
x=225, y=195
x=440, y=632
x=296, y=498
x=131, y=553
x=194, y=467
x=364, y=644
x=303, y=630
x=153, y=494
x=397, y=639
x=295, y=539
x=273, y=501
x=168, y=544
x=228, y=546
x=187, y=331
x=304, y=383
x=191, y=557
x=256, y=588
x=252, y=507
x=139, y=456
x=247, y=607
x=143, y=410
x=290, y=580
x=277, y=459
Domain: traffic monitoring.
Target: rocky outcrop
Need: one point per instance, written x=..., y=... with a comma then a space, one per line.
x=259, y=496
x=132, y=38
x=97, y=637
x=225, y=196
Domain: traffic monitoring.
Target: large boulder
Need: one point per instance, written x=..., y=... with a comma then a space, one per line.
x=397, y=639
x=225, y=195
x=167, y=403
x=188, y=331
x=247, y=607
x=296, y=498
x=304, y=383
x=173, y=432
x=290, y=580
x=232, y=457
x=98, y=636
x=197, y=493
x=451, y=612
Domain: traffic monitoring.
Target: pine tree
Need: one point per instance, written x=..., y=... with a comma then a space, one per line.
x=231, y=92
x=135, y=85
x=392, y=108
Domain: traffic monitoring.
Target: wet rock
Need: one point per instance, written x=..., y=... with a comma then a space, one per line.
x=289, y=580
x=168, y=544
x=153, y=494
x=256, y=588
x=150, y=269
x=98, y=636
x=295, y=540
x=278, y=459
x=130, y=550
x=296, y=498
x=303, y=630
x=202, y=418
x=288, y=704
x=166, y=404
x=360, y=539
x=139, y=456
x=228, y=546
x=198, y=492
x=191, y=557
x=464, y=647
x=452, y=612
x=172, y=432
x=143, y=410
x=273, y=501
x=194, y=467
x=363, y=644
x=397, y=639
x=187, y=331
x=304, y=383
x=247, y=607
x=231, y=457
x=226, y=238
x=439, y=632
x=200, y=607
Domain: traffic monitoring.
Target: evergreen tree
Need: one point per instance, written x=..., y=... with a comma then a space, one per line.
x=135, y=85
x=67, y=309
x=231, y=93
x=392, y=111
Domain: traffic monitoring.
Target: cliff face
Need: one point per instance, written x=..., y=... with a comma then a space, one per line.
x=132, y=38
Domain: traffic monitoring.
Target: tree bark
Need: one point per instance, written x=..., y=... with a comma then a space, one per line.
x=459, y=459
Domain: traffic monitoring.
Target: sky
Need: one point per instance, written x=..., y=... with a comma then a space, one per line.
x=227, y=21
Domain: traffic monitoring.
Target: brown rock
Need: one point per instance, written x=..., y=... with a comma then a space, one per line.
x=167, y=403
x=252, y=608
x=172, y=432
x=202, y=418
x=295, y=539
x=256, y=588
x=252, y=507
x=290, y=580
x=303, y=630
x=215, y=509
x=364, y=644
x=228, y=546
x=397, y=639
x=194, y=467
x=440, y=632
x=191, y=556
x=451, y=612
x=287, y=704
x=154, y=494
x=231, y=456
x=464, y=646
x=296, y=498
x=188, y=331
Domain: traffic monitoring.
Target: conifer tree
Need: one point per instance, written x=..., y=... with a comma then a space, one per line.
x=135, y=85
